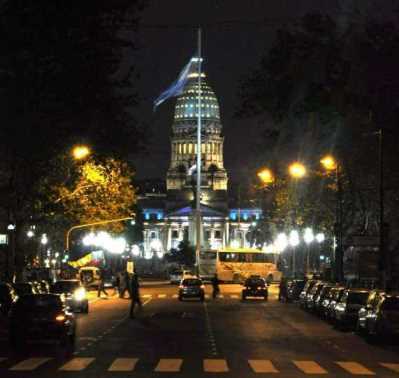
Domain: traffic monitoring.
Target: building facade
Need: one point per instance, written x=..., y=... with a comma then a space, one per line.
x=169, y=217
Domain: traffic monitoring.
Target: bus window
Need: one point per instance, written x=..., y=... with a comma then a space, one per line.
x=207, y=255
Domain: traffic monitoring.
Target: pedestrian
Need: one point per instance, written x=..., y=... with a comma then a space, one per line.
x=282, y=294
x=134, y=294
x=215, y=286
x=125, y=284
x=101, y=285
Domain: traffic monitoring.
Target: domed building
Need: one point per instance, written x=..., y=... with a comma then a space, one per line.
x=170, y=219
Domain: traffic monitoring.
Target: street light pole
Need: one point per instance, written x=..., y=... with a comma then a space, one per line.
x=384, y=258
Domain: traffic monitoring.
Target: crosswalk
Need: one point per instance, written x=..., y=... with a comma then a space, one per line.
x=207, y=365
x=175, y=296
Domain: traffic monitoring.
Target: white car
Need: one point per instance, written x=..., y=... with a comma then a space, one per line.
x=176, y=276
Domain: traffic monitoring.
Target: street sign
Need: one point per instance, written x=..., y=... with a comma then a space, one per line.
x=3, y=239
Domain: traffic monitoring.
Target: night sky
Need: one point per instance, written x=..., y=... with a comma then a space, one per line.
x=236, y=34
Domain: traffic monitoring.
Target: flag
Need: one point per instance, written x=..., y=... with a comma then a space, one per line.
x=177, y=86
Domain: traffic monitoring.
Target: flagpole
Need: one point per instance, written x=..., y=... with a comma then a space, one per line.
x=198, y=192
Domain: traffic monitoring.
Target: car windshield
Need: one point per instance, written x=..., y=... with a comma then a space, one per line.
x=65, y=286
x=255, y=282
x=358, y=298
x=192, y=282
x=40, y=302
x=391, y=304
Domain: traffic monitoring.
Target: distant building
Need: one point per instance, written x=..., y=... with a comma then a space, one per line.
x=168, y=216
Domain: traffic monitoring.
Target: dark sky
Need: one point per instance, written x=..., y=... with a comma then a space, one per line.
x=235, y=35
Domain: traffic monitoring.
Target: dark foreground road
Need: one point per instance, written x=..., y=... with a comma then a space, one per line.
x=225, y=337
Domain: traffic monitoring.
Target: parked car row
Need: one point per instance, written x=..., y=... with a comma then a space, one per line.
x=372, y=313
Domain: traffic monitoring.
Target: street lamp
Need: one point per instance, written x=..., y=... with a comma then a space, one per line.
x=297, y=170
x=80, y=152
x=281, y=242
x=330, y=164
x=266, y=176
x=308, y=237
x=30, y=234
x=294, y=241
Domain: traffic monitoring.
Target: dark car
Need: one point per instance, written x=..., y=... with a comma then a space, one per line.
x=191, y=288
x=25, y=288
x=42, y=287
x=254, y=287
x=347, y=309
x=334, y=297
x=302, y=297
x=382, y=318
x=7, y=297
x=318, y=302
x=75, y=294
x=41, y=317
x=312, y=295
x=294, y=290
x=372, y=301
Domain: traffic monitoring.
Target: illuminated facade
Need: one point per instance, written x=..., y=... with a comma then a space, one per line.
x=169, y=218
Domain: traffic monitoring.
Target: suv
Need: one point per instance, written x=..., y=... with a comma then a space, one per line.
x=255, y=287
x=347, y=309
x=191, y=288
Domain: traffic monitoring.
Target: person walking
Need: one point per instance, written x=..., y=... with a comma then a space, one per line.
x=215, y=286
x=101, y=285
x=125, y=284
x=134, y=294
x=282, y=294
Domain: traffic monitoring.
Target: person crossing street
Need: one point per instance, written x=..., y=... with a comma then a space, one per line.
x=134, y=294
x=101, y=285
x=215, y=286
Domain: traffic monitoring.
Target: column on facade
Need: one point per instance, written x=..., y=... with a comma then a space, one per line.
x=169, y=239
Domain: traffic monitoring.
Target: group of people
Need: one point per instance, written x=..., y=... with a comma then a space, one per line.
x=126, y=282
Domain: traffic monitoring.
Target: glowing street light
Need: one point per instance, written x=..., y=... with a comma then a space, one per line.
x=266, y=176
x=30, y=234
x=281, y=242
x=294, y=241
x=297, y=170
x=44, y=239
x=308, y=236
x=329, y=163
x=80, y=152
x=320, y=237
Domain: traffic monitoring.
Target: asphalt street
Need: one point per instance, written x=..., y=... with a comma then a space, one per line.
x=222, y=337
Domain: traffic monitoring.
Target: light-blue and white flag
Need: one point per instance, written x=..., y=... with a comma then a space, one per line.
x=177, y=86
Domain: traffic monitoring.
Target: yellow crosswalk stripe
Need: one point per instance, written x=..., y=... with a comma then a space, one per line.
x=161, y=295
x=221, y=296
x=233, y=296
x=123, y=364
x=174, y=296
x=77, y=364
x=354, y=368
x=309, y=367
x=215, y=366
x=30, y=364
x=393, y=367
x=169, y=365
x=262, y=366
x=147, y=296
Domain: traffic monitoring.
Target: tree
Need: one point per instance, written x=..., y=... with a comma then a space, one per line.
x=183, y=255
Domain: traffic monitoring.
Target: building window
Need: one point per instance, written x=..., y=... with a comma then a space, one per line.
x=153, y=235
x=218, y=234
x=207, y=235
x=175, y=234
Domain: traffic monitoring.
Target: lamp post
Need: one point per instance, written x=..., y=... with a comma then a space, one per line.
x=330, y=164
x=308, y=237
x=294, y=241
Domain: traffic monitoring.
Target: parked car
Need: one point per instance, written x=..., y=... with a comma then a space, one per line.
x=318, y=302
x=74, y=293
x=294, y=289
x=42, y=287
x=347, y=309
x=254, y=287
x=41, y=317
x=191, y=288
x=302, y=297
x=335, y=297
x=7, y=297
x=381, y=316
x=371, y=303
x=312, y=295
x=24, y=288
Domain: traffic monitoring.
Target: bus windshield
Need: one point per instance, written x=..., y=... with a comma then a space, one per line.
x=243, y=257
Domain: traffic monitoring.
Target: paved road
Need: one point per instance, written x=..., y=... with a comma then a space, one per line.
x=225, y=337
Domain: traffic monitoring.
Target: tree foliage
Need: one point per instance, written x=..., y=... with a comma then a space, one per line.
x=183, y=255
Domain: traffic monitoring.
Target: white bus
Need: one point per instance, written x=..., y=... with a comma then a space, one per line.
x=237, y=264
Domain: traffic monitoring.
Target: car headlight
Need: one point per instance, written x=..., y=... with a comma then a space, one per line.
x=80, y=294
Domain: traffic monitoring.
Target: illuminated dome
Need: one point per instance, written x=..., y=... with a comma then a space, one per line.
x=186, y=108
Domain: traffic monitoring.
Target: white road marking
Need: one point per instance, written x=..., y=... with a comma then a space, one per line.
x=123, y=364
x=262, y=366
x=30, y=364
x=309, y=367
x=175, y=296
x=234, y=296
x=393, y=367
x=354, y=368
x=77, y=364
x=215, y=366
x=147, y=296
x=161, y=295
x=169, y=365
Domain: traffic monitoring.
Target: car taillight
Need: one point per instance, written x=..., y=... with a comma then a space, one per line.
x=60, y=318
